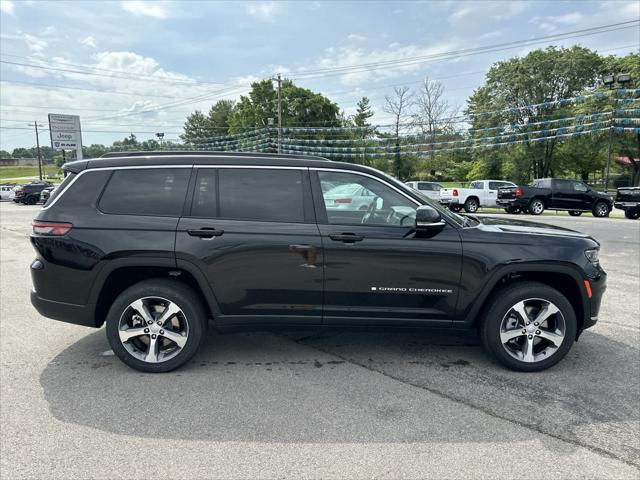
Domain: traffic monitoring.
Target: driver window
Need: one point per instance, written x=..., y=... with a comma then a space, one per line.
x=352, y=199
x=579, y=187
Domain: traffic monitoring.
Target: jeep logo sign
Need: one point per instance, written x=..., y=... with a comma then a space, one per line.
x=66, y=133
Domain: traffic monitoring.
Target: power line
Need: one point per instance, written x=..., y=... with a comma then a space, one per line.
x=112, y=92
x=466, y=52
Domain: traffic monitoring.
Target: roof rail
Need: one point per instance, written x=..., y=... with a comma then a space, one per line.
x=164, y=153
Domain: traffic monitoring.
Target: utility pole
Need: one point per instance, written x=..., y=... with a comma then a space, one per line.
x=35, y=124
x=279, y=80
x=606, y=178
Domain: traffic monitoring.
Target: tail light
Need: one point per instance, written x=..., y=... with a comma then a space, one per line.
x=51, y=228
x=342, y=200
x=454, y=192
x=518, y=192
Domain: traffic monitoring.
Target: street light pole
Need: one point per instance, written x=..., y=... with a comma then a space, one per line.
x=279, y=80
x=35, y=124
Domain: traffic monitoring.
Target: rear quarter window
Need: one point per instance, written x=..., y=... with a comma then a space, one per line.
x=155, y=192
x=60, y=188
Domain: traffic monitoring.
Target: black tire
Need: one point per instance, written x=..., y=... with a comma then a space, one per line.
x=500, y=305
x=513, y=210
x=632, y=214
x=601, y=209
x=575, y=213
x=31, y=200
x=536, y=206
x=471, y=205
x=174, y=291
x=455, y=208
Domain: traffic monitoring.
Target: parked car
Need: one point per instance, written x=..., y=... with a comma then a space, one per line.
x=29, y=194
x=556, y=194
x=350, y=196
x=156, y=245
x=628, y=199
x=6, y=192
x=429, y=189
x=481, y=193
x=45, y=193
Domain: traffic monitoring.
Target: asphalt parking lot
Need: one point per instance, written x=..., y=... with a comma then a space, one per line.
x=411, y=404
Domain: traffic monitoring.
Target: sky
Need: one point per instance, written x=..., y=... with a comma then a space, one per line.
x=136, y=66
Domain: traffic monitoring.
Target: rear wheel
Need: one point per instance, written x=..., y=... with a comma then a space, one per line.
x=471, y=205
x=513, y=210
x=536, y=207
x=601, y=209
x=455, y=208
x=31, y=200
x=529, y=326
x=156, y=325
x=575, y=213
x=632, y=214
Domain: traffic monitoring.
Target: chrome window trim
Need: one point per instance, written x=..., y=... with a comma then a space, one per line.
x=260, y=167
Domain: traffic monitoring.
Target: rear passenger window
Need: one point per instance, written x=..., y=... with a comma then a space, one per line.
x=273, y=195
x=154, y=191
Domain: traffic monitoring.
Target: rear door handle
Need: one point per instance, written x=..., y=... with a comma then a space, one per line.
x=346, y=237
x=205, y=232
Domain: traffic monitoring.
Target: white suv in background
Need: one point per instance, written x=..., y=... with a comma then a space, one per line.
x=6, y=192
x=481, y=193
x=428, y=189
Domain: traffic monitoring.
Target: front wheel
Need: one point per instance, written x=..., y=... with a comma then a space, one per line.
x=601, y=209
x=575, y=213
x=156, y=325
x=536, y=207
x=513, y=210
x=529, y=326
x=632, y=214
x=455, y=208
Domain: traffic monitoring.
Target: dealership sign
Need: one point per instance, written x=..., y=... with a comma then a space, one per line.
x=66, y=133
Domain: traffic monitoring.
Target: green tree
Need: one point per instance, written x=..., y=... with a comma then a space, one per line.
x=21, y=153
x=541, y=76
x=94, y=150
x=4, y=154
x=363, y=113
x=300, y=107
x=199, y=126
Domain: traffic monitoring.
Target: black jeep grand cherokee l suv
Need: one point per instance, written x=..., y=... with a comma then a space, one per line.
x=154, y=245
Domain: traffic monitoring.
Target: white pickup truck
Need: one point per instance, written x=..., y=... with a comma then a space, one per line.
x=481, y=193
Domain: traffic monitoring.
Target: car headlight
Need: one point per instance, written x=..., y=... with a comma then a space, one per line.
x=592, y=255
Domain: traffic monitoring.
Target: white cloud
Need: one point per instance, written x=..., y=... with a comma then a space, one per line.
x=356, y=38
x=146, y=8
x=488, y=35
x=552, y=22
x=35, y=45
x=263, y=10
x=89, y=42
x=470, y=12
x=350, y=55
x=7, y=6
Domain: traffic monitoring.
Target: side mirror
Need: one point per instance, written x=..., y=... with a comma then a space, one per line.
x=428, y=217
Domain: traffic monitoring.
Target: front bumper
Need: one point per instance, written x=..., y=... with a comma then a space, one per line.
x=598, y=286
x=625, y=205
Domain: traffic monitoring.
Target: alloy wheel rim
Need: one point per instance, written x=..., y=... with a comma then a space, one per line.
x=153, y=329
x=602, y=210
x=532, y=330
x=537, y=207
x=473, y=206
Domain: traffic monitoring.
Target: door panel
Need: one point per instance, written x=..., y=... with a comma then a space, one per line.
x=388, y=276
x=377, y=270
x=260, y=271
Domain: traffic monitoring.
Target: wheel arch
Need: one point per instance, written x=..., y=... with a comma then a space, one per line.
x=564, y=278
x=122, y=274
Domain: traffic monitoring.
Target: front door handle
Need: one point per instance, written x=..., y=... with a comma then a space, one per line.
x=205, y=232
x=346, y=237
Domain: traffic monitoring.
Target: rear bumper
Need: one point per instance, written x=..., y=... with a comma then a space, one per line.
x=65, y=312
